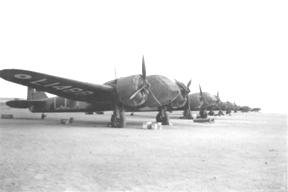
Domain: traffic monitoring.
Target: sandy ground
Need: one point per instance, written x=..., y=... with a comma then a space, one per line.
x=242, y=152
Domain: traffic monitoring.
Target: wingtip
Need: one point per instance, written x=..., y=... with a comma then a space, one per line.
x=4, y=72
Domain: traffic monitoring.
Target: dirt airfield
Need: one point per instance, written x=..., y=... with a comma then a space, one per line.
x=241, y=152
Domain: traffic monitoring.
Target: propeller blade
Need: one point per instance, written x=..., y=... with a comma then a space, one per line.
x=178, y=83
x=189, y=83
x=154, y=97
x=218, y=98
x=145, y=83
x=132, y=96
x=201, y=94
x=143, y=69
x=188, y=103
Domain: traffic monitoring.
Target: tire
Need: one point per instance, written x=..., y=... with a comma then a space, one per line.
x=158, y=118
x=203, y=114
x=118, y=123
x=122, y=120
x=164, y=120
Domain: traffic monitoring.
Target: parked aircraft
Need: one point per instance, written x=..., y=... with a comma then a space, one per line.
x=256, y=109
x=132, y=92
x=204, y=102
x=229, y=107
x=201, y=101
x=245, y=109
x=236, y=107
x=182, y=101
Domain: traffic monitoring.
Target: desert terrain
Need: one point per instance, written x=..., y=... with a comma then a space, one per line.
x=241, y=152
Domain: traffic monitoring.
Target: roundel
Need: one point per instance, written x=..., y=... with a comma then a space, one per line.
x=22, y=76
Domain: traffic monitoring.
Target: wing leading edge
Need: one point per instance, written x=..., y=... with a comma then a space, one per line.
x=67, y=88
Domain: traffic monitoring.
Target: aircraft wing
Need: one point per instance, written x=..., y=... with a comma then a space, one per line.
x=67, y=88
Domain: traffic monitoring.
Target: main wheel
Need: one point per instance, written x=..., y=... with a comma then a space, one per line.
x=220, y=113
x=187, y=114
x=118, y=122
x=164, y=120
x=203, y=114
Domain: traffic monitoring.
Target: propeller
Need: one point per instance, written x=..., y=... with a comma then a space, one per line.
x=218, y=102
x=188, y=101
x=145, y=89
x=201, y=94
x=185, y=90
x=201, y=98
x=188, y=84
x=236, y=106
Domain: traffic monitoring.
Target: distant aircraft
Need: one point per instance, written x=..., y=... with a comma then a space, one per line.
x=204, y=102
x=229, y=107
x=201, y=101
x=182, y=101
x=245, y=109
x=132, y=92
x=256, y=109
x=236, y=107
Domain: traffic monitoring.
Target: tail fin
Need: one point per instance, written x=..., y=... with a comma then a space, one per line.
x=34, y=94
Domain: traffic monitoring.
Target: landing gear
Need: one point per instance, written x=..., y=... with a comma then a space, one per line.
x=220, y=113
x=187, y=114
x=43, y=116
x=163, y=117
x=118, y=122
x=118, y=119
x=228, y=112
x=211, y=112
x=203, y=114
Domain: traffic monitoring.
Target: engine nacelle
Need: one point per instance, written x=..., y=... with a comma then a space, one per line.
x=163, y=89
x=180, y=101
x=127, y=86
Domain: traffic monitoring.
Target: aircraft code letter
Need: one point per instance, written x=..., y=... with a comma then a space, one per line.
x=61, y=87
x=84, y=93
x=22, y=76
x=73, y=90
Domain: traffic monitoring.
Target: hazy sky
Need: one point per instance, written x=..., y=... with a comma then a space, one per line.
x=239, y=48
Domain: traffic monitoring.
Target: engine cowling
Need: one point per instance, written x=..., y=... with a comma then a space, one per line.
x=163, y=89
x=127, y=86
x=180, y=101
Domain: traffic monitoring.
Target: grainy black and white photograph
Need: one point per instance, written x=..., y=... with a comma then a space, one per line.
x=137, y=96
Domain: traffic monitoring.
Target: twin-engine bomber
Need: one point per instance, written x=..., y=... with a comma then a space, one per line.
x=132, y=92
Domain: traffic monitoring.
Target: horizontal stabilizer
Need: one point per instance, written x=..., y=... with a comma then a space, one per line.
x=22, y=104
